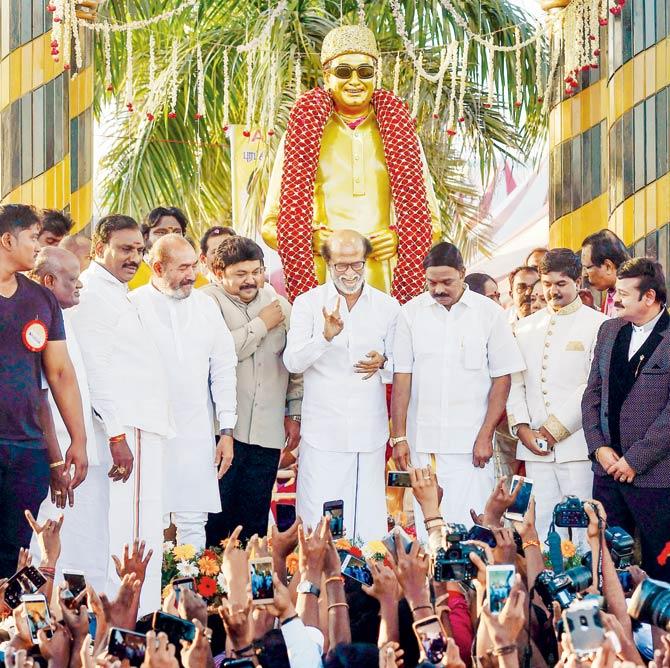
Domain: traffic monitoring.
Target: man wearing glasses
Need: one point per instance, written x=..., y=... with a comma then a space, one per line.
x=351, y=159
x=341, y=340
x=268, y=397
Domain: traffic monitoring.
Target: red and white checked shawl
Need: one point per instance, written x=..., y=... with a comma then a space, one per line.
x=408, y=189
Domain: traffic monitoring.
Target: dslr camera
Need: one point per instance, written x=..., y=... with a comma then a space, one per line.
x=562, y=587
x=453, y=562
x=621, y=546
x=570, y=513
x=650, y=603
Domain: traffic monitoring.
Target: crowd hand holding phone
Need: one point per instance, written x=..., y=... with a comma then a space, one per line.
x=426, y=491
x=55, y=646
x=478, y=561
x=505, y=550
x=122, y=460
x=48, y=538
x=237, y=622
x=529, y=438
x=390, y=655
x=18, y=659
x=312, y=548
x=385, y=586
x=504, y=629
x=197, y=654
x=192, y=606
x=496, y=505
x=411, y=570
x=160, y=653
x=133, y=561
x=235, y=568
x=122, y=611
x=76, y=620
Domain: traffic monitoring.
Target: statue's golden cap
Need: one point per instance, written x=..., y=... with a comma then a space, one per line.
x=349, y=39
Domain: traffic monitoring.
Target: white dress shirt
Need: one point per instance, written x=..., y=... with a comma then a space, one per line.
x=126, y=376
x=198, y=353
x=640, y=334
x=341, y=412
x=452, y=356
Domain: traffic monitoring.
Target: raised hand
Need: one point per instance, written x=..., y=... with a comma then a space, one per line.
x=312, y=550
x=498, y=502
x=411, y=569
x=385, y=586
x=426, y=491
x=55, y=648
x=505, y=628
x=198, y=653
x=160, y=653
x=390, y=655
x=135, y=562
x=18, y=659
x=75, y=620
x=235, y=568
x=122, y=611
x=192, y=606
x=237, y=622
x=284, y=542
x=48, y=537
x=332, y=322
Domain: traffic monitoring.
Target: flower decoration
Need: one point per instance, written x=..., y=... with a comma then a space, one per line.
x=568, y=549
x=221, y=582
x=183, y=552
x=187, y=569
x=292, y=563
x=207, y=587
x=208, y=566
x=374, y=550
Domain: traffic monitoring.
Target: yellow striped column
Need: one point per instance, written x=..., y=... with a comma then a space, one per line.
x=46, y=122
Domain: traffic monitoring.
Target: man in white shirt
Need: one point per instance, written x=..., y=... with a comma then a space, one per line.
x=129, y=395
x=341, y=340
x=453, y=355
x=84, y=535
x=545, y=400
x=198, y=353
x=521, y=282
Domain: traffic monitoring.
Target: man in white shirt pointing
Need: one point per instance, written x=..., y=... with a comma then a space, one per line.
x=341, y=340
x=453, y=355
x=198, y=353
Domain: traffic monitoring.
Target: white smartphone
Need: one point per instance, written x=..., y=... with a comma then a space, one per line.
x=389, y=541
x=584, y=626
x=518, y=509
x=499, y=580
x=262, y=587
x=542, y=444
x=36, y=612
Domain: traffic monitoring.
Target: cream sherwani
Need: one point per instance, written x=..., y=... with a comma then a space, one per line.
x=198, y=354
x=557, y=347
x=344, y=426
x=129, y=395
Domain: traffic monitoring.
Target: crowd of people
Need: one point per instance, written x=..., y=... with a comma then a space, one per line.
x=149, y=385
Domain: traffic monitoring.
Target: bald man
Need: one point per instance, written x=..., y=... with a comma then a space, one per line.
x=85, y=533
x=80, y=245
x=341, y=340
x=198, y=354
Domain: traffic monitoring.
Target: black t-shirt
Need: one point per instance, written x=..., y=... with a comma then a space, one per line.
x=21, y=366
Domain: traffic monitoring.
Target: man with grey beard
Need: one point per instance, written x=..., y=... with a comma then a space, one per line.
x=198, y=354
x=341, y=340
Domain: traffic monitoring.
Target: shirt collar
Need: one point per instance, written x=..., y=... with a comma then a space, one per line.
x=98, y=270
x=648, y=326
x=571, y=308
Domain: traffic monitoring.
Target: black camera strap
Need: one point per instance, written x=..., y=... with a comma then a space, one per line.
x=601, y=531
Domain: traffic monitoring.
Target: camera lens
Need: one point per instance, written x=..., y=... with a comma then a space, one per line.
x=650, y=603
x=580, y=578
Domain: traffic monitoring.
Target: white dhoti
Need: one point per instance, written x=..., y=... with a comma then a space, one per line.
x=551, y=482
x=84, y=535
x=136, y=511
x=465, y=486
x=355, y=477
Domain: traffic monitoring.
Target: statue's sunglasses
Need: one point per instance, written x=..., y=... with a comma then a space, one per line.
x=345, y=71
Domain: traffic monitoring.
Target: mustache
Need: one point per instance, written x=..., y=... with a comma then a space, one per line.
x=186, y=283
x=134, y=265
x=618, y=305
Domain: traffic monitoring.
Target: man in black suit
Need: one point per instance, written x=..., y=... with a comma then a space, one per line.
x=626, y=412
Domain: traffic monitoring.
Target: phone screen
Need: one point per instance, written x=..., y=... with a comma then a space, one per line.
x=26, y=581
x=285, y=516
x=482, y=534
x=431, y=639
x=182, y=583
x=356, y=569
x=175, y=628
x=128, y=646
x=336, y=511
x=92, y=625
x=389, y=541
x=262, y=588
x=520, y=505
x=398, y=479
x=76, y=582
x=37, y=614
x=499, y=581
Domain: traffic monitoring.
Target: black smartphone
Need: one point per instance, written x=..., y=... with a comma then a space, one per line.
x=285, y=516
x=482, y=534
x=76, y=582
x=127, y=646
x=182, y=583
x=238, y=663
x=175, y=628
x=335, y=510
x=26, y=581
x=398, y=479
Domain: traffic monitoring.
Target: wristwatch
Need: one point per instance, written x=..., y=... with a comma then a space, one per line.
x=307, y=587
x=226, y=432
x=398, y=439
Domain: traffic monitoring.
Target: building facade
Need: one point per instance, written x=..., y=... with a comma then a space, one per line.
x=46, y=116
x=610, y=142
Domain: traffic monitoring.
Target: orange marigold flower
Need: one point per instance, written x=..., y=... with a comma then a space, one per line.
x=292, y=563
x=210, y=554
x=568, y=549
x=342, y=544
x=208, y=566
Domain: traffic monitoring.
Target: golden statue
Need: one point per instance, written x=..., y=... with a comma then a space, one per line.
x=352, y=152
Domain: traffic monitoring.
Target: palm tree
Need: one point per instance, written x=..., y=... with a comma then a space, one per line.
x=157, y=162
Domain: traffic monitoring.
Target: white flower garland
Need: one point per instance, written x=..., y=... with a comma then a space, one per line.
x=174, y=79
x=517, y=69
x=297, y=71
x=226, y=91
x=253, y=44
x=129, y=70
x=107, y=47
x=99, y=26
x=200, y=84
x=490, y=55
x=273, y=94
x=361, y=11
x=464, y=79
x=417, y=89
x=440, y=84
x=250, y=94
x=451, y=130
x=78, y=57
x=380, y=72
x=396, y=74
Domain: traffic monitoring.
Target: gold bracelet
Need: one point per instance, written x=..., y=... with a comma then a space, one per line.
x=117, y=439
x=530, y=543
x=337, y=605
x=55, y=465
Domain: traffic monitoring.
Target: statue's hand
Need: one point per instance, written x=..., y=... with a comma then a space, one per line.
x=384, y=244
x=319, y=237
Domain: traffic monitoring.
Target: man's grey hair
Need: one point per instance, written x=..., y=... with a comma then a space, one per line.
x=49, y=260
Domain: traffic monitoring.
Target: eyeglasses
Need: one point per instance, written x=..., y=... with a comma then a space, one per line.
x=341, y=267
x=345, y=71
